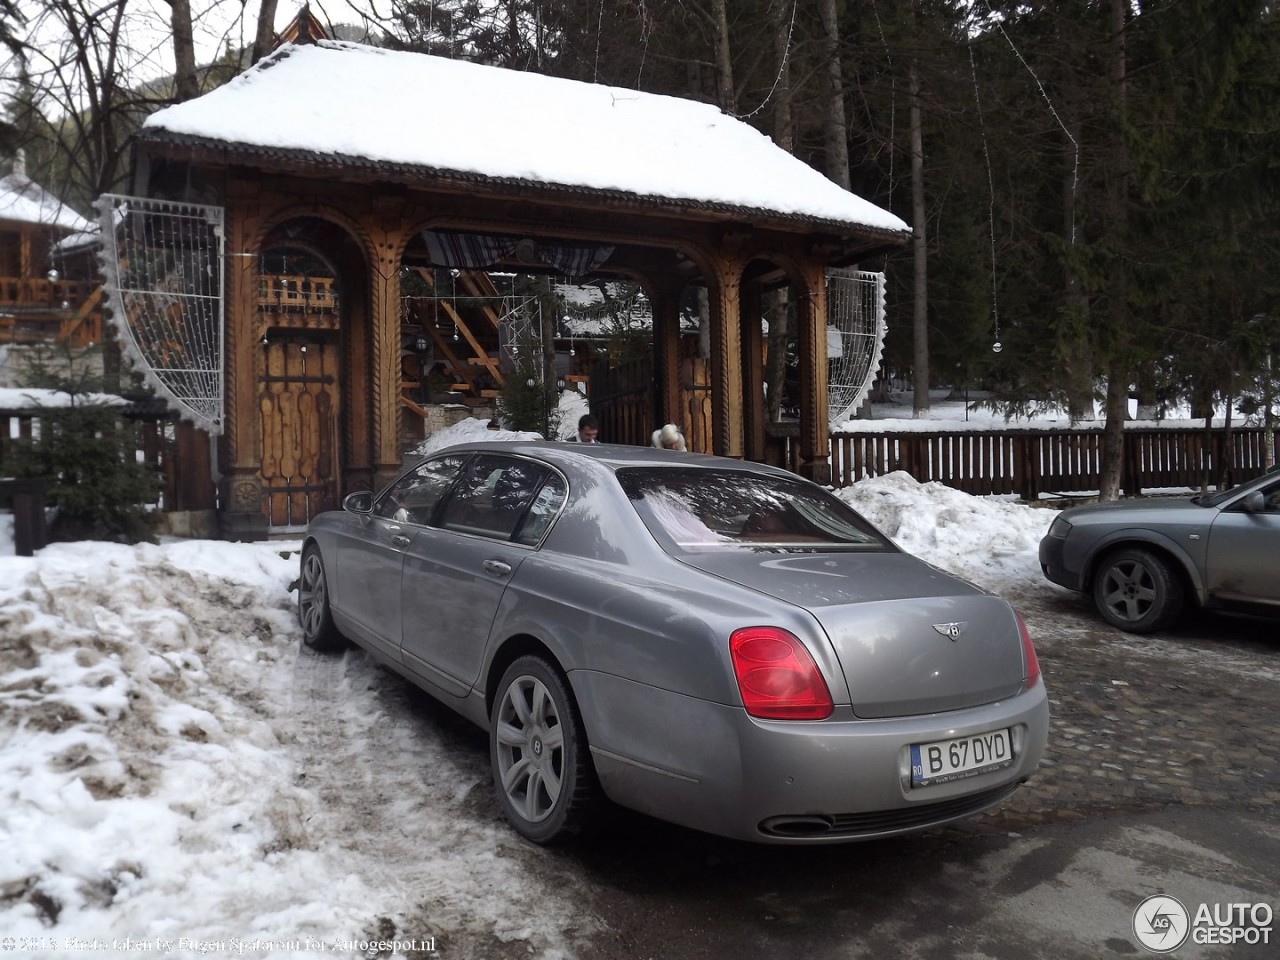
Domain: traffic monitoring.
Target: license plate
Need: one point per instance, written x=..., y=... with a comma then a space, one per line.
x=945, y=760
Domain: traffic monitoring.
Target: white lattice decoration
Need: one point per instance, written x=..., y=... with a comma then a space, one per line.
x=855, y=339
x=162, y=267
x=520, y=327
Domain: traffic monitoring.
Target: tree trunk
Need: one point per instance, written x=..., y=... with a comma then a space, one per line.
x=920, y=257
x=1225, y=473
x=1269, y=416
x=185, y=86
x=1148, y=398
x=265, y=38
x=836, y=132
x=1077, y=358
x=1116, y=407
x=724, y=66
x=778, y=301
x=1119, y=314
x=783, y=134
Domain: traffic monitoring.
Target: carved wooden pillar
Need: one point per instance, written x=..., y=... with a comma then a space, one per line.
x=726, y=356
x=812, y=320
x=753, y=404
x=384, y=326
x=242, y=495
x=357, y=393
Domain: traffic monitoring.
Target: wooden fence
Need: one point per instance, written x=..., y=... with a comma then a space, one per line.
x=1034, y=463
x=177, y=450
x=1029, y=464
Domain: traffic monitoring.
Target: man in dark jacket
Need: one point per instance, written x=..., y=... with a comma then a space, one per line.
x=588, y=429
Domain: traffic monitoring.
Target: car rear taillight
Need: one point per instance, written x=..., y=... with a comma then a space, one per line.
x=1029, y=654
x=776, y=675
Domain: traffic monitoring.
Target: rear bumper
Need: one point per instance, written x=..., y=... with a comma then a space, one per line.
x=711, y=767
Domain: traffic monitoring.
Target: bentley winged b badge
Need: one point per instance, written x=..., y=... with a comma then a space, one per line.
x=951, y=631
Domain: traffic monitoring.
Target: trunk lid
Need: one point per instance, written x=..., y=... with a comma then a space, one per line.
x=910, y=638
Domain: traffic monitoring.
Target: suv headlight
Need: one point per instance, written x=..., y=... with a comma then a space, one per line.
x=1060, y=528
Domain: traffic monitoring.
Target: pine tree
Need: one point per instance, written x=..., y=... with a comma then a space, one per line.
x=88, y=453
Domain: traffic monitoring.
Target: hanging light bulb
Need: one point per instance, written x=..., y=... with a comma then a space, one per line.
x=997, y=347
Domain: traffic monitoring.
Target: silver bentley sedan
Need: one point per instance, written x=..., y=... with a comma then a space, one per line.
x=716, y=643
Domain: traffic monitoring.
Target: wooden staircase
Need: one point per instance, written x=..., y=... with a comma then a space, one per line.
x=465, y=336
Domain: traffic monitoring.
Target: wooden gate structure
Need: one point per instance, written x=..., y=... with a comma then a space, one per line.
x=313, y=412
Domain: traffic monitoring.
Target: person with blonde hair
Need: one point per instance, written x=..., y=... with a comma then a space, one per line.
x=669, y=437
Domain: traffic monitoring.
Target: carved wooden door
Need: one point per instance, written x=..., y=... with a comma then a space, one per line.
x=298, y=399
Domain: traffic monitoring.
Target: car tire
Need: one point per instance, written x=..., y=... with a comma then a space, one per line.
x=542, y=768
x=1137, y=590
x=314, y=614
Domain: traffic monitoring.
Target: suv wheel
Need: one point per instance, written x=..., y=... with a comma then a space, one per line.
x=1137, y=590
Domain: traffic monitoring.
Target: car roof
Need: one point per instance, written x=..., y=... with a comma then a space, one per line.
x=614, y=456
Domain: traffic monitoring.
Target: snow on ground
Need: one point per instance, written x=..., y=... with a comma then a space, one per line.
x=174, y=767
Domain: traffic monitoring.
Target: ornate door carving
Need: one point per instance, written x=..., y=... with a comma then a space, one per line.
x=298, y=399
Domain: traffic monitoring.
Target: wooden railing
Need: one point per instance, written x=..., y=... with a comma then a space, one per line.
x=297, y=292
x=39, y=292
x=38, y=312
x=1033, y=463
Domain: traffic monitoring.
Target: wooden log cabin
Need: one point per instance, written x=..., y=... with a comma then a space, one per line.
x=49, y=285
x=334, y=169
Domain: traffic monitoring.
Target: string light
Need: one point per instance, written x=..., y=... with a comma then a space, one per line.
x=996, y=345
x=781, y=67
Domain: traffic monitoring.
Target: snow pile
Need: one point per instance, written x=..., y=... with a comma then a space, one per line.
x=990, y=542
x=172, y=766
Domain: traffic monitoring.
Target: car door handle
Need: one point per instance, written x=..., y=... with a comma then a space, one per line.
x=498, y=568
x=400, y=540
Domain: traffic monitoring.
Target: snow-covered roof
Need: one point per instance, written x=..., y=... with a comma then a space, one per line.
x=25, y=201
x=354, y=104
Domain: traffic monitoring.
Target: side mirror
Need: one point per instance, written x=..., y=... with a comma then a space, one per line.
x=359, y=502
x=1255, y=503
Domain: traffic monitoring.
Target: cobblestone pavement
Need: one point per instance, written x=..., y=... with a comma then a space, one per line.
x=1160, y=775
x=1189, y=716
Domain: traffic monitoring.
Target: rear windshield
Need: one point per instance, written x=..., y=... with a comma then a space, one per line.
x=696, y=510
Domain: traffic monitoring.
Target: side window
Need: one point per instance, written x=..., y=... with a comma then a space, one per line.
x=1271, y=497
x=412, y=498
x=492, y=496
x=542, y=511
